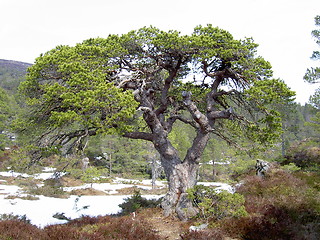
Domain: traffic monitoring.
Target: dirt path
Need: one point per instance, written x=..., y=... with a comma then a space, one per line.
x=167, y=227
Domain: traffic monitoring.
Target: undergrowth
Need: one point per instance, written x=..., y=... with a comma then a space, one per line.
x=89, y=228
x=280, y=206
x=135, y=202
x=216, y=205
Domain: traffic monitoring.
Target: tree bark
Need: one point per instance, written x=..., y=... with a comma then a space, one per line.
x=181, y=175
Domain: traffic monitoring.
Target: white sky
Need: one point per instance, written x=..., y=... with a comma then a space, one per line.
x=282, y=28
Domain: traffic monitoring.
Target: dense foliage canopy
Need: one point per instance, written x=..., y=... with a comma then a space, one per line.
x=96, y=86
x=141, y=83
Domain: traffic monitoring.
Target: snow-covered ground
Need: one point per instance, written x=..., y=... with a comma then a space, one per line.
x=219, y=186
x=41, y=211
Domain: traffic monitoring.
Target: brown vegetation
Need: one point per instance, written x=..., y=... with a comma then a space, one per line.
x=281, y=205
x=89, y=228
x=87, y=191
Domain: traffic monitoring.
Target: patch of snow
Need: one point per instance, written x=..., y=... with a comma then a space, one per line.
x=10, y=190
x=198, y=228
x=14, y=174
x=126, y=181
x=44, y=176
x=48, y=175
x=49, y=169
x=41, y=211
x=143, y=182
x=219, y=186
x=222, y=163
x=158, y=183
x=211, y=162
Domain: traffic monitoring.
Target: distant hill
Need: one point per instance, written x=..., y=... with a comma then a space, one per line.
x=11, y=74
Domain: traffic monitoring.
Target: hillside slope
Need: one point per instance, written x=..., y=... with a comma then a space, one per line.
x=12, y=73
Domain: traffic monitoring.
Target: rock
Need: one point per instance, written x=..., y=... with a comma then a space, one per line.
x=197, y=228
x=61, y=216
x=261, y=167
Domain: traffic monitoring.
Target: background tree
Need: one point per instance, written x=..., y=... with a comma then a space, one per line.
x=207, y=80
x=122, y=156
x=306, y=153
x=11, y=74
x=4, y=117
x=313, y=75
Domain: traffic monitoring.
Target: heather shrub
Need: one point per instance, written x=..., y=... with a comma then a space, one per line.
x=107, y=227
x=281, y=189
x=203, y=235
x=216, y=205
x=281, y=206
x=87, y=220
x=312, y=179
x=65, y=232
x=273, y=224
x=16, y=230
x=135, y=202
x=82, y=228
x=127, y=228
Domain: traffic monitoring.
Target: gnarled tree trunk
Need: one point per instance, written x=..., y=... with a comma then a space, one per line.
x=181, y=174
x=181, y=177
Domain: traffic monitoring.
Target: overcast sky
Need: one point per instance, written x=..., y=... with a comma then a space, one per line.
x=282, y=28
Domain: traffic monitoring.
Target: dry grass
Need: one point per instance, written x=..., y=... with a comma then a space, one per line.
x=70, y=182
x=132, y=190
x=26, y=197
x=87, y=192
